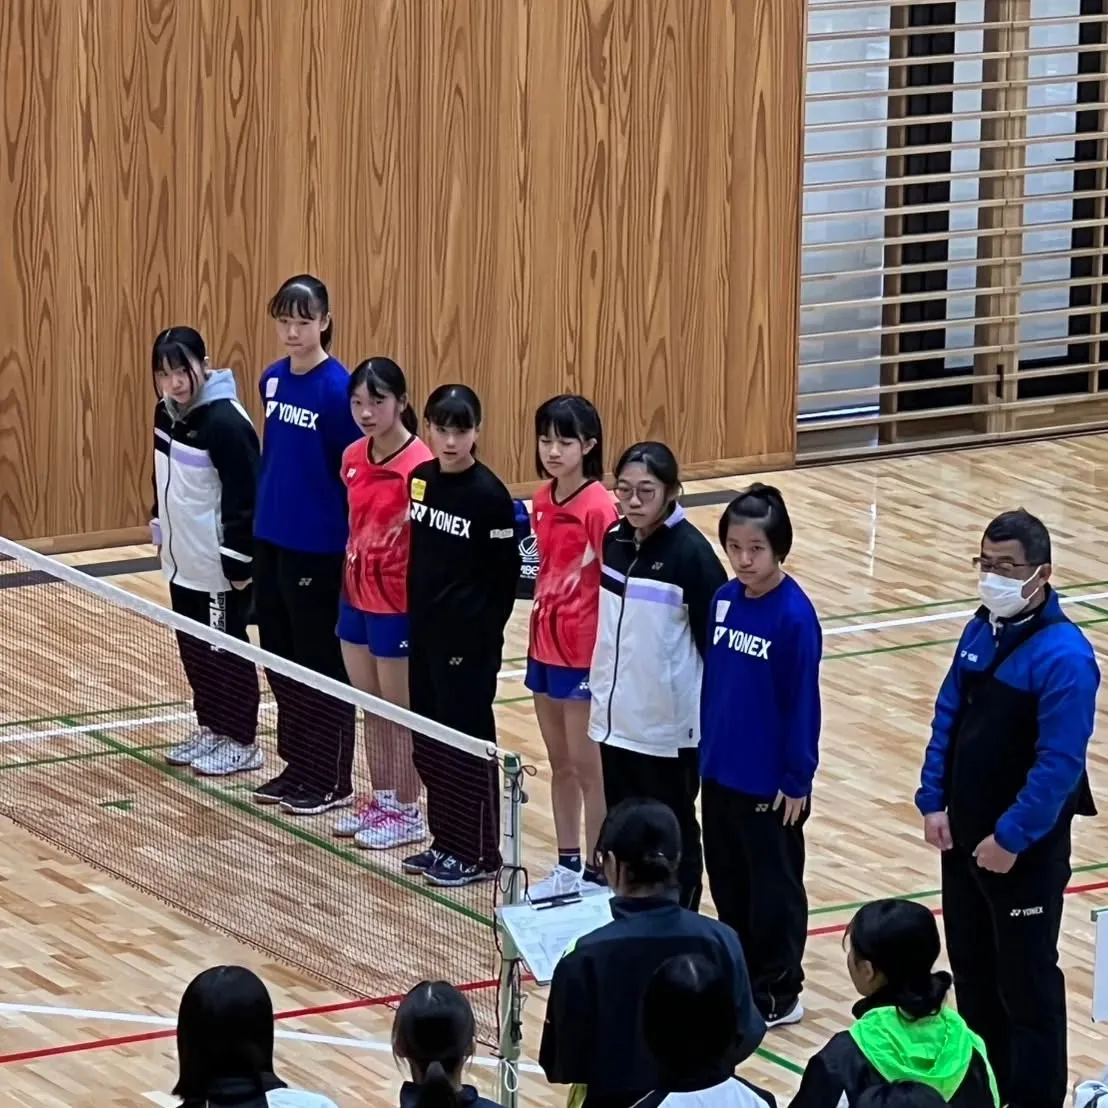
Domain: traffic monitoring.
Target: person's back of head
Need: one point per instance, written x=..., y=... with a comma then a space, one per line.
x=689, y=1020
x=224, y=1034
x=893, y=946
x=900, y=1094
x=639, y=847
x=434, y=1032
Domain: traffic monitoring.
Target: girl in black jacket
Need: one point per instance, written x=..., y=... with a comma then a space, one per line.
x=905, y=1031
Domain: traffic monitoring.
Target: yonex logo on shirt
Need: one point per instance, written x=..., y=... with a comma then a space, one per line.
x=440, y=520
x=743, y=643
x=352, y=473
x=292, y=413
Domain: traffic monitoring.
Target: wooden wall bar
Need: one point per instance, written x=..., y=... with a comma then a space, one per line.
x=526, y=195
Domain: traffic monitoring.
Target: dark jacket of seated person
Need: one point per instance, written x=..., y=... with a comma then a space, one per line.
x=904, y=1031
x=593, y=1036
x=435, y=1033
x=688, y=1022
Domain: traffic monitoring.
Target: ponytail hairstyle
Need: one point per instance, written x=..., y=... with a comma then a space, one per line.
x=305, y=297
x=900, y=941
x=178, y=348
x=572, y=417
x=434, y=1032
x=643, y=840
x=763, y=506
x=383, y=378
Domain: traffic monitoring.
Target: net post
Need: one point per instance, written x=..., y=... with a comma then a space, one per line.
x=510, y=996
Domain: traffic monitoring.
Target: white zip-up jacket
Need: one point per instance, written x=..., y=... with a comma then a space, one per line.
x=651, y=637
x=205, y=474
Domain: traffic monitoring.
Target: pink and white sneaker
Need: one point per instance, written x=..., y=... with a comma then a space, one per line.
x=363, y=816
x=393, y=827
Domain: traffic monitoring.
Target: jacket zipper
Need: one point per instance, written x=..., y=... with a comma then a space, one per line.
x=619, y=628
x=168, y=535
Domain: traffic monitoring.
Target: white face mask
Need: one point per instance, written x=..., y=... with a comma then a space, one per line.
x=1003, y=596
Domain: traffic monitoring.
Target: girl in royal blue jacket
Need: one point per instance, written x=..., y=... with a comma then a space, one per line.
x=300, y=530
x=759, y=737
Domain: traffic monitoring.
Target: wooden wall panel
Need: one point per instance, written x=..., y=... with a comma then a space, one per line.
x=527, y=195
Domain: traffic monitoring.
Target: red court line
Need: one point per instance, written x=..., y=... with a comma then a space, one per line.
x=839, y=928
x=170, y=1032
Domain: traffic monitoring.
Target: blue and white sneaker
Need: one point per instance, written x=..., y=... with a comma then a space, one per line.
x=451, y=873
x=422, y=862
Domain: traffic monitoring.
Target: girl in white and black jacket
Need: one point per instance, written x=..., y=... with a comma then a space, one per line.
x=205, y=469
x=659, y=576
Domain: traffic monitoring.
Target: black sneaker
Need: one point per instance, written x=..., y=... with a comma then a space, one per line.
x=307, y=801
x=423, y=861
x=451, y=873
x=275, y=790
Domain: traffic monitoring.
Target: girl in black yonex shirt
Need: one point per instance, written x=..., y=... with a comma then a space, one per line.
x=462, y=574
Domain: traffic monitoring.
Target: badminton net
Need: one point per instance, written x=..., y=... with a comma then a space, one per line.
x=95, y=708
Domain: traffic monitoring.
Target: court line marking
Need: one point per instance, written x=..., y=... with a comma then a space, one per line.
x=170, y=1022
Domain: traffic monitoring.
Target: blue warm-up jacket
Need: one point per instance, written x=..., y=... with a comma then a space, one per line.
x=1057, y=669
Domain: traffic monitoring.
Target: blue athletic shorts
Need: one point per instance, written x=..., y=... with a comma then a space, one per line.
x=557, y=682
x=386, y=636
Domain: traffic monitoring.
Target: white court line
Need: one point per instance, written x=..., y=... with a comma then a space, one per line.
x=344, y=1041
x=847, y=629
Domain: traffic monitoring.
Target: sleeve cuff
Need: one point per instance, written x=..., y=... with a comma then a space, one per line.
x=1009, y=838
x=928, y=803
x=235, y=555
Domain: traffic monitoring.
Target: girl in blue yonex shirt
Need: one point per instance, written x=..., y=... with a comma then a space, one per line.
x=300, y=529
x=759, y=737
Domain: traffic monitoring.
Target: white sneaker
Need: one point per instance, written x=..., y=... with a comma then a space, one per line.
x=200, y=742
x=363, y=816
x=393, y=827
x=229, y=757
x=794, y=1015
x=563, y=881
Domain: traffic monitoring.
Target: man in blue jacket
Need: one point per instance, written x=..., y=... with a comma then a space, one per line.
x=1003, y=777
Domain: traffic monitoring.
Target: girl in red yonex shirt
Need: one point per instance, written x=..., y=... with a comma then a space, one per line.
x=569, y=515
x=373, y=612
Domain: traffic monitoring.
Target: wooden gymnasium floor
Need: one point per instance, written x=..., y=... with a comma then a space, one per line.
x=91, y=971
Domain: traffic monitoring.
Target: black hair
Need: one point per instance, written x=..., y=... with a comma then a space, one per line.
x=1022, y=527
x=224, y=1030
x=177, y=348
x=383, y=378
x=688, y=1015
x=433, y=1032
x=644, y=837
x=305, y=297
x=572, y=417
x=764, y=506
x=900, y=1094
x=900, y=939
x=659, y=460
x=455, y=406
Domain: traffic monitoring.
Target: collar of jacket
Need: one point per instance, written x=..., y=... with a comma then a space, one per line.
x=632, y=905
x=695, y=1082
x=226, y=1092
x=627, y=532
x=1050, y=603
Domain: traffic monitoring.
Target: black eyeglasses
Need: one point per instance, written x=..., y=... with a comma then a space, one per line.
x=1001, y=565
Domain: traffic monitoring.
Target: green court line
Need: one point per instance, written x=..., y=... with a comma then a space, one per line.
x=255, y=812
x=85, y=757
x=924, y=894
x=777, y=1060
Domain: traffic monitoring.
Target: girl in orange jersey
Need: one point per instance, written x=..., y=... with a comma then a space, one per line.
x=570, y=515
x=373, y=614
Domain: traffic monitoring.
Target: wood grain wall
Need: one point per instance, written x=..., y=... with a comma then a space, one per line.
x=527, y=195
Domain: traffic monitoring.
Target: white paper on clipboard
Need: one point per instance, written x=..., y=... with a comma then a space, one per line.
x=1100, y=965
x=542, y=935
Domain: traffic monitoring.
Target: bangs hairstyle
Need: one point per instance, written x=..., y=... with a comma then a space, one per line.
x=571, y=417
x=644, y=837
x=174, y=348
x=456, y=407
x=383, y=378
x=659, y=460
x=763, y=506
x=305, y=297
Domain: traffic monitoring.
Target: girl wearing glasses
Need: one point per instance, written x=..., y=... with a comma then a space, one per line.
x=658, y=578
